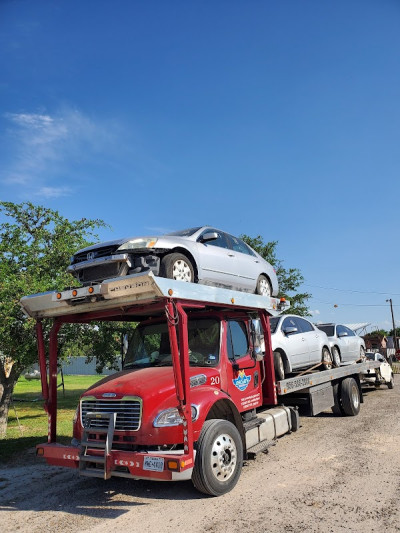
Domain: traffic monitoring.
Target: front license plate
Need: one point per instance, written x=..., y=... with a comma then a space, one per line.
x=156, y=464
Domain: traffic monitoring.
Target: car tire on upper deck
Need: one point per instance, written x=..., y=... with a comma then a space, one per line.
x=177, y=266
x=263, y=286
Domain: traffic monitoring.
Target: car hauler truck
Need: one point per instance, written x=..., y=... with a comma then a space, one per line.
x=196, y=395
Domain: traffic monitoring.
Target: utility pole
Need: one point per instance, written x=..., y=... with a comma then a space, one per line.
x=394, y=326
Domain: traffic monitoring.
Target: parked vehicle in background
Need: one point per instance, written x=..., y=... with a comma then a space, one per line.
x=383, y=374
x=298, y=344
x=202, y=255
x=346, y=346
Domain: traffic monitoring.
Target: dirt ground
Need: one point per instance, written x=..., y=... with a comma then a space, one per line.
x=334, y=474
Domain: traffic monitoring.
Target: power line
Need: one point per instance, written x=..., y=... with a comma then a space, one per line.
x=350, y=290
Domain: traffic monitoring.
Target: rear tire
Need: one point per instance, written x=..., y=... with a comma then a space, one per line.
x=336, y=357
x=219, y=458
x=362, y=353
x=263, y=286
x=390, y=384
x=337, y=408
x=350, y=397
x=279, y=367
x=326, y=359
x=177, y=266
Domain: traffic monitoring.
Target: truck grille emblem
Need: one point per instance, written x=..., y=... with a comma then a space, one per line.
x=90, y=256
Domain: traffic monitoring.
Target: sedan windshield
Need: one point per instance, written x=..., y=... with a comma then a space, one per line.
x=150, y=344
x=184, y=232
x=273, y=322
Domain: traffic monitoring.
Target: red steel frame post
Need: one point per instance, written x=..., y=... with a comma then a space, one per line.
x=269, y=396
x=42, y=364
x=184, y=359
x=52, y=403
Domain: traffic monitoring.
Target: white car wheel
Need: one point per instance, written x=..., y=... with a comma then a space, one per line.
x=263, y=287
x=177, y=266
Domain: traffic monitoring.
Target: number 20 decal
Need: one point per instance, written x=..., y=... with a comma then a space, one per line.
x=215, y=380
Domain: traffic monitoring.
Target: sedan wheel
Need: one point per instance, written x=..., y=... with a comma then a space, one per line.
x=326, y=359
x=263, y=286
x=177, y=266
x=336, y=357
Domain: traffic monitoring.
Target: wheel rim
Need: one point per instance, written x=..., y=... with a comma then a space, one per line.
x=281, y=367
x=264, y=288
x=355, y=397
x=181, y=271
x=223, y=457
x=336, y=356
x=327, y=359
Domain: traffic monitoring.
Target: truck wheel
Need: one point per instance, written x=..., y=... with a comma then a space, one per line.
x=219, y=458
x=279, y=367
x=337, y=408
x=263, y=286
x=390, y=384
x=362, y=353
x=326, y=359
x=336, y=357
x=177, y=266
x=350, y=397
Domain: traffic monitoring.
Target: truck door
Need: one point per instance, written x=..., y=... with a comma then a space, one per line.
x=243, y=373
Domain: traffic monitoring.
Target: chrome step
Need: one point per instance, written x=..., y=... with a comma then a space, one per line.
x=87, y=444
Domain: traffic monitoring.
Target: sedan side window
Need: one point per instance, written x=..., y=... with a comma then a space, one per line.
x=237, y=340
x=304, y=325
x=220, y=241
x=239, y=246
x=339, y=330
x=350, y=332
x=290, y=322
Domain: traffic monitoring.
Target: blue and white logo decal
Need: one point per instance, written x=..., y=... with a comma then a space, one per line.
x=242, y=381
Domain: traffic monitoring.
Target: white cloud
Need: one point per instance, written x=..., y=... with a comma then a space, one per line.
x=315, y=312
x=42, y=146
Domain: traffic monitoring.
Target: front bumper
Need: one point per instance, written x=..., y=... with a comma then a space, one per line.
x=121, y=463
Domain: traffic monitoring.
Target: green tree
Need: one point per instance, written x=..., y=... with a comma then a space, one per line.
x=289, y=279
x=35, y=246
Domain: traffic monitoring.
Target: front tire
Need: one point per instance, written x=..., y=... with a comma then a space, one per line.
x=177, y=266
x=219, y=458
x=362, y=353
x=390, y=384
x=263, y=286
x=279, y=367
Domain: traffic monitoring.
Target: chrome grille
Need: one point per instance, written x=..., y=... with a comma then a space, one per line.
x=129, y=413
x=98, y=252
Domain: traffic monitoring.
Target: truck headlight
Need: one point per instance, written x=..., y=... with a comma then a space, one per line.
x=76, y=415
x=171, y=417
x=138, y=243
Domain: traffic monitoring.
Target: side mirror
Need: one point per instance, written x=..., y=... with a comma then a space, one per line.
x=125, y=344
x=344, y=334
x=290, y=329
x=257, y=338
x=258, y=354
x=210, y=236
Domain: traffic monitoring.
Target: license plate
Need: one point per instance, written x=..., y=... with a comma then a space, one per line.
x=156, y=464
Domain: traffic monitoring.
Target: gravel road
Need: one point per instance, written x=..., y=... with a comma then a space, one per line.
x=335, y=474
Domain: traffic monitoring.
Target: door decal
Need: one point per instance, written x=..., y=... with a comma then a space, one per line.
x=242, y=381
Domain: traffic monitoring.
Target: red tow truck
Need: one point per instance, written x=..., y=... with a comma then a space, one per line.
x=196, y=395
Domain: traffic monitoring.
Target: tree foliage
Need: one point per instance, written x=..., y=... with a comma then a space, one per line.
x=289, y=279
x=36, y=244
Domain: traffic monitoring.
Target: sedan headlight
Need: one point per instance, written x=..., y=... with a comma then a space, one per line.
x=138, y=243
x=171, y=417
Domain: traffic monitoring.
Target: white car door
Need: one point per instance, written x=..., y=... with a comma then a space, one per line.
x=344, y=344
x=313, y=340
x=294, y=343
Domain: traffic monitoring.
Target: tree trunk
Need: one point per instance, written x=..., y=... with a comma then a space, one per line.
x=7, y=384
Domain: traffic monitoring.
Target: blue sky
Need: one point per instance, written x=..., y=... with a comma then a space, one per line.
x=278, y=119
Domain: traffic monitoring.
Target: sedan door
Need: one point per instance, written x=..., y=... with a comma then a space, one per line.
x=313, y=339
x=344, y=344
x=294, y=343
x=217, y=265
x=247, y=264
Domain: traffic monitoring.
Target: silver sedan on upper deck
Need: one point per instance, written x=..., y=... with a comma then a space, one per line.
x=202, y=255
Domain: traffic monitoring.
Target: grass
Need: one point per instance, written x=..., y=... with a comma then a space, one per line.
x=32, y=428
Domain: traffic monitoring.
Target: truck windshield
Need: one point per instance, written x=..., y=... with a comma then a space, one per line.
x=149, y=345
